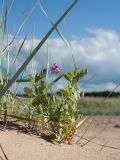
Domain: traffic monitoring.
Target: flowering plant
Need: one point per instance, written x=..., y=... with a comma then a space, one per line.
x=61, y=110
x=55, y=68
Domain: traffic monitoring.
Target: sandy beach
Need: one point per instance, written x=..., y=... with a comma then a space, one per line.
x=97, y=139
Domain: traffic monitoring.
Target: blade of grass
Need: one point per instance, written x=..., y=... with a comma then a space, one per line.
x=59, y=33
x=3, y=91
x=8, y=65
x=47, y=63
x=81, y=122
x=91, y=77
x=2, y=9
x=5, y=22
x=19, y=50
x=19, y=29
x=71, y=49
x=1, y=44
x=6, y=16
x=32, y=68
x=54, y=81
x=106, y=146
x=113, y=90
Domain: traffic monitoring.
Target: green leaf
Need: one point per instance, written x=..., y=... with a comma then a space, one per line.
x=68, y=77
x=36, y=101
x=43, y=85
x=40, y=76
x=22, y=80
x=40, y=100
x=28, y=91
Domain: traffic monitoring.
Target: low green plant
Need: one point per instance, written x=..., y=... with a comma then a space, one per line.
x=60, y=110
x=6, y=106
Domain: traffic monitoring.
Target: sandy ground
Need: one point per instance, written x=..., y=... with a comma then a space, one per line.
x=99, y=130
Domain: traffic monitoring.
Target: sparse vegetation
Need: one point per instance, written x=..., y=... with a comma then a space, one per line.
x=99, y=106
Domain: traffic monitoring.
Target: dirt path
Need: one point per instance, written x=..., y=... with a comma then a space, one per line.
x=19, y=146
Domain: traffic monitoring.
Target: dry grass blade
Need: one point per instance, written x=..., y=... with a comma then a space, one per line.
x=102, y=145
x=3, y=91
x=3, y=152
x=81, y=122
x=86, y=129
x=97, y=133
x=57, y=30
x=84, y=84
x=118, y=85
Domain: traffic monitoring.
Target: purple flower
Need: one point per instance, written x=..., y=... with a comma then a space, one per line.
x=55, y=68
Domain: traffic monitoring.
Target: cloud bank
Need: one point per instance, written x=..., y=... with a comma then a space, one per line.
x=99, y=52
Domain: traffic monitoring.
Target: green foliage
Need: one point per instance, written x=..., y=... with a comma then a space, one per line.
x=63, y=119
x=61, y=111
x=6, y=106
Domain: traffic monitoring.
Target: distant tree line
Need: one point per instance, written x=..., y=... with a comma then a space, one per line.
x=102, y=94
x=89, y=94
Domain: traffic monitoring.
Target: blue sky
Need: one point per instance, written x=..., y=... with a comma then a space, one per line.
x=92, y=26
x=86, y=14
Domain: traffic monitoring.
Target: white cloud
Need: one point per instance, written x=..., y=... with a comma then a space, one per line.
x=99, y=52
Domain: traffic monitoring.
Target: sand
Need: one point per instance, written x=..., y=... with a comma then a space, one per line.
x=104, y=129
